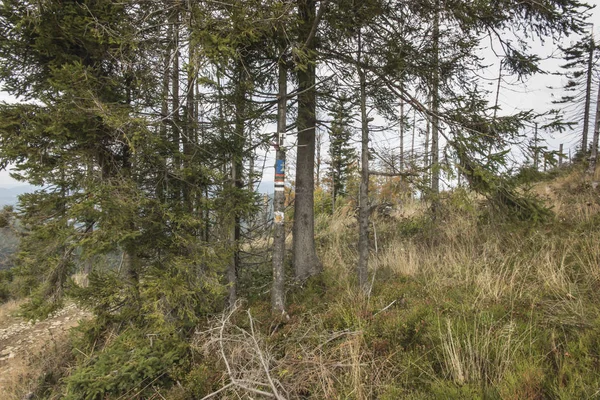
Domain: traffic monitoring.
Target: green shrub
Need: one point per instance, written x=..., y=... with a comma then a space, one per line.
x=6, y=279
x=130, y=366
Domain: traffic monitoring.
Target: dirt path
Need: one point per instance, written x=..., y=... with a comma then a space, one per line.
x=20, y=339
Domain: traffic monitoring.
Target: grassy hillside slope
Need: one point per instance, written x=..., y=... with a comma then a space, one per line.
x=474, y=306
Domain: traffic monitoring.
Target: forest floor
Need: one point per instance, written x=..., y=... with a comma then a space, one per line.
x=21, y=341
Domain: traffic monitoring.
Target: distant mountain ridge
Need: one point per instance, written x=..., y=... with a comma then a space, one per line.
x=9, y=195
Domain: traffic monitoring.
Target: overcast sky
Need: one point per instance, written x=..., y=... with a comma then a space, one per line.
x=533, y=94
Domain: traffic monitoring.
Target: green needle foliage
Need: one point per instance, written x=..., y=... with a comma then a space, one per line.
x=143, y=125
x=341, y=152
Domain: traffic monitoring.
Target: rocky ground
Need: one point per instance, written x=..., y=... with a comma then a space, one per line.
x=20, y=340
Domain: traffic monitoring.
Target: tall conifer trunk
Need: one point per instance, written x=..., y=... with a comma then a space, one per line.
x=131, y=261
x=435, y=105
x=277, y=292
x=412, y=141
x=594, y=155
x=363, y=196
x=426, y=163
x=232, y=268
x=190, y=130
x=163, y=176
x=306, y=262
x=401, y=135
x=175, y=104
x=588, y=98
x=237, y=184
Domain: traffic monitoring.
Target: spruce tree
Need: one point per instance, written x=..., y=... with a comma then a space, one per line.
x=72, y=140
x=306, y=261
x=342, y=154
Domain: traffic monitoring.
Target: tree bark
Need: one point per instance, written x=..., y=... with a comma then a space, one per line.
x=306, y=262
x=536, y=150
x=435, y=122
x=363, y=213
x=426, y=163
x=278, y=289
x=131, y=258
x=237, y=183
x=401, y=135
x=318, y=163
x=233, y=261
x=176, y=122
x=190, y=130
x=594, y=155
x=412, y=142
x=162, y=181
x=333, y=191
x=588, y=98
x=560, y=156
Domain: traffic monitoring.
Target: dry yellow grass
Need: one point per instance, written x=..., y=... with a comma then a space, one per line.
x=498, y=264
x=490, y=264
x=572, y=196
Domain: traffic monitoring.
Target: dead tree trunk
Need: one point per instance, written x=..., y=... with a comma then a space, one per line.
x=535, y=148
x=594, y=155
x=588, y=98
x=560, y=156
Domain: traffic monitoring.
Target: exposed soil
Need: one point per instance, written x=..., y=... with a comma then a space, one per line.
x=21, y=339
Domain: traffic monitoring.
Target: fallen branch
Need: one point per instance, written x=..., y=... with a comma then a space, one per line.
x=383, y=173
x=208, y=396
x=248, y=385
x=262, y=359
x=385, y=308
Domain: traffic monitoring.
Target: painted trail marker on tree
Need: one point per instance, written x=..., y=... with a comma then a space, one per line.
x=279, y=175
